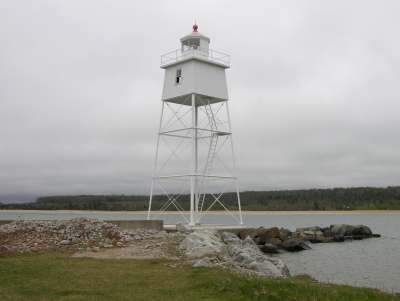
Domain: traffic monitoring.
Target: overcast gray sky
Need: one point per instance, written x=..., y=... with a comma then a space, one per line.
x=314, y=88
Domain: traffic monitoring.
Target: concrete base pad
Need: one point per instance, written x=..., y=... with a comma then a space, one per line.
x=218, y=227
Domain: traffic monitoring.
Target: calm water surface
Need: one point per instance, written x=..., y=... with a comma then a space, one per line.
x=372, y=262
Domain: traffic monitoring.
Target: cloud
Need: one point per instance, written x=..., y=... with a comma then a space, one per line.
x=313, y=86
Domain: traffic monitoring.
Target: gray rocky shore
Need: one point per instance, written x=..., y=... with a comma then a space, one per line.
x=274, y=240
x=247, y=251
x=209, y=248
x=79, y=234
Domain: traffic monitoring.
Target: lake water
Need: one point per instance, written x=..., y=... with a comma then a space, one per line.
x=372, y=262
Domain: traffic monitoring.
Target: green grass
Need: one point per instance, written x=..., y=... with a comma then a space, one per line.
x=56, y=276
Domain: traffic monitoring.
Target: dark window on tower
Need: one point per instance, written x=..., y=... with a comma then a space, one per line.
x=178, y=77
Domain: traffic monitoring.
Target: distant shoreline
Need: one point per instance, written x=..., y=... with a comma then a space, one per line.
x=335, y=212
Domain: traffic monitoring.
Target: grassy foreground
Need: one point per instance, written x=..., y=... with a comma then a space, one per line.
x=56, y=276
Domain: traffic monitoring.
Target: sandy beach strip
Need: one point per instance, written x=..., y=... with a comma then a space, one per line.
x=104, y=212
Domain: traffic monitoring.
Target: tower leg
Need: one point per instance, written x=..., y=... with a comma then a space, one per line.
x=234, y=163
x=150, y=199
x=196, y=164
x=194, y=155
x=192, y=220
x=155, y=161
x=239, y=205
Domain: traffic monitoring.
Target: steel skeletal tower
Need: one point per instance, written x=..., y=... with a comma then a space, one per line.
x=194, y=161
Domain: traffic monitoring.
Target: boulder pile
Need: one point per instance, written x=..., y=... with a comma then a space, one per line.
x=272, y=240
x=208, y=248
x=79, y=234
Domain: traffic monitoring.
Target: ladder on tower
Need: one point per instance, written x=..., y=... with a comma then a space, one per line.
x=213, y=139
x=212, y=149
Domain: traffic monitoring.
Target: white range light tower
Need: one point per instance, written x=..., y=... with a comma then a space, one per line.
x=194, y=161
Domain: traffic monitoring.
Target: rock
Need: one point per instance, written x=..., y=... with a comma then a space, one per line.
x=230, y=238
x=275, y=241
x=26, y=236
x=284, y=233
x=201, y=243
x=228, y=250
x=350, y=231
x=95, y=249
x=311, y=234
x=75, y=240
x=338, y=238
x=342, y=230
x=362, y=230
x=205, y=262
x=309, y=229
x=294, y=245
x=269, y=248
x=137, y=237
x=327, y=232
x=243, y=233
x=119, y=244
x=264, y=235
x=245, y=254
x=171, y=265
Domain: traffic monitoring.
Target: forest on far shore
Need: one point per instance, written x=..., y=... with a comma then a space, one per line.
x=359, y=198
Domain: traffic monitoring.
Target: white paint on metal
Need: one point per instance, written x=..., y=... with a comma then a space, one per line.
x=234, y=164
x=206, y=55
x=194, y=159
x=197, y=78
x=195, y=104
x=155, y=163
